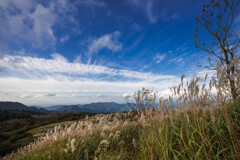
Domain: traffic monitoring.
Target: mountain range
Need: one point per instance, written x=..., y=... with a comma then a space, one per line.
x=100, y=107
x=20, y=106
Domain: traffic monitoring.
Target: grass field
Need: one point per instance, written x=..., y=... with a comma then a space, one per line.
x=195, y=135
x=37, y=131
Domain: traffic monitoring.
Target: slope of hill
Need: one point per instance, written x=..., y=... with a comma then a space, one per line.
x=20, y=127
x=151, y=135
x=20, y=106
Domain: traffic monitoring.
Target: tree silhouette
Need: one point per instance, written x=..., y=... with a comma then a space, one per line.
x=219, y=18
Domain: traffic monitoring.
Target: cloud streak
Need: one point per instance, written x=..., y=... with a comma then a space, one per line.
x=146, y=6
x=158, y=58
x=59, y=66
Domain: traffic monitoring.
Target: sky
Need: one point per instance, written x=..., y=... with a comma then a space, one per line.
x=81, y=51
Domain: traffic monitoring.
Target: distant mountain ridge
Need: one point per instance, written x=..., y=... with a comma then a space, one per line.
x=56, y=107
x=72, y=108
x=100, y=107
x=20, y=106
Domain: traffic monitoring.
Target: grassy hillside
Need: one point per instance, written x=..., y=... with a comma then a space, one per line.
x=196, y=125
x=192, y=134
x=19, y=128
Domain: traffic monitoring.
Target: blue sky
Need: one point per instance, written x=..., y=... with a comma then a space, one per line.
x=82, y=51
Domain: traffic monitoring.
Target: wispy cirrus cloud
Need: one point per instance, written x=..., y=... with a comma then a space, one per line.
x=151, y=9
x=146, y=6
x=159, y=57
x=59, y=66
x=179, y=61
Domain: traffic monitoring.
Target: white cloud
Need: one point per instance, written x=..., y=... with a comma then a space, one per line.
x=159, y=57
x=55, y=81
x=33, y=22
x=155, y=9
x=26, y=96
x=58, y=66
x=149, y=12
x=37, y=91
x=33, y=26
x=203, y=72
x=109, y=41
x=39, y=81
x=64, y=39
x=178, y=60
x=43, y=20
